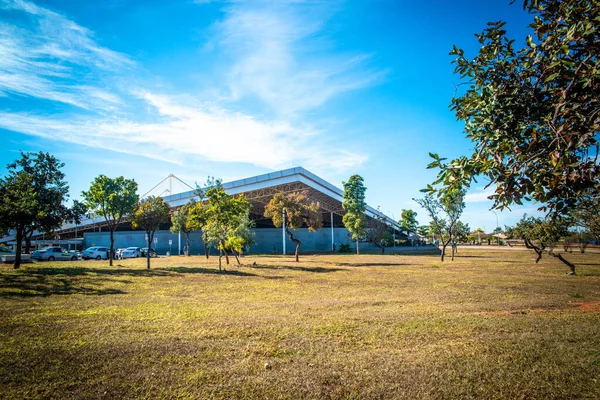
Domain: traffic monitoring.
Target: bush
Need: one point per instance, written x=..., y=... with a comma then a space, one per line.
x=345, y=248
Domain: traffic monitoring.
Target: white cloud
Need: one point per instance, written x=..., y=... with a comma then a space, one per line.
x=479, y=196
x=48, y=56
x=52, y=58
x=280, y=55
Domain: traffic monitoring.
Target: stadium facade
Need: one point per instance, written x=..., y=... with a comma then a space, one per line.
x=259, y=190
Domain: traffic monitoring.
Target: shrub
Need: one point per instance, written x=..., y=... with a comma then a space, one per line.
x=345, y=248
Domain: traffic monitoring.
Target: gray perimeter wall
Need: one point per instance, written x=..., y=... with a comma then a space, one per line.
x=265, y=240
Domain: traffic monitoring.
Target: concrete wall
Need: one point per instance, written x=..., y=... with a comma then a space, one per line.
x=265, y=238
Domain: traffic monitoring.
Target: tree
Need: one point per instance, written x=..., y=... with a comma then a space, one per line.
x=149, y=214
x=378, y=232
x=586, y=216
x=354, y=203
x=424, y=230
x=198, y=219
x=445, y=213
x=532, y=112
x=32, y=196
x=460, y=233
x=241, y=237
x=294, y=210
x=180, y=222
x=113, y=199
x=542, y=235
x=76, y=213
x=408, y=221
x=223, y=216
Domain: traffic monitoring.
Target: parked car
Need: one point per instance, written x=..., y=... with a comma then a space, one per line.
x=53, y=254
x=119, y=253
x=153, y=252
x=97, y=253
x=132, y=252
x=5, y=250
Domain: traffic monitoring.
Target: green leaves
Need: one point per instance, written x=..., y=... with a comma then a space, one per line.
x=354, y=204
x=532, y=114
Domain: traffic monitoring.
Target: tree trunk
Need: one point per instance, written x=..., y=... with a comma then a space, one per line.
x=567, y=263
x=538, y=251
x=444, y=245
x=293, y=239
x=206, y=249
x=112, y=247
x=150, y=237
x=382, y=249
x=187, y=244
x=357, y=249
x=28, y=242
x=236, y=257
x=452, y=253
x=19, y=238
x=220, y=255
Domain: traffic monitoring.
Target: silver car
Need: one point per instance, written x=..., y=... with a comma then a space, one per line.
x=53, y=254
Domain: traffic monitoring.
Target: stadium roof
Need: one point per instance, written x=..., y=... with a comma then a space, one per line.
x=260, y=189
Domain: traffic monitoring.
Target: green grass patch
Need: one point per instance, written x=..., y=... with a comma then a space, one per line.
x=491, y=324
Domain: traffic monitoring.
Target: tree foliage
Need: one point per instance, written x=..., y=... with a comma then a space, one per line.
x=297, y=210
x=542, y=235
x=379, y=232
x=445, y=213
x=149, y=214
x=354, y=203
x=532, y=111
x=181, y=222
x=408, y=221
x=32, y=196
x=224, y=215
x=112, y=199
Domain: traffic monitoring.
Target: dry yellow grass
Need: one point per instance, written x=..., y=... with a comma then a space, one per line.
x=488, y=325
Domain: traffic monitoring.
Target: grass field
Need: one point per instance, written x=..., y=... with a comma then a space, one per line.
x=488, y=325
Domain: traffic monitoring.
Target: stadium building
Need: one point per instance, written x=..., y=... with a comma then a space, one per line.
x=259, y=190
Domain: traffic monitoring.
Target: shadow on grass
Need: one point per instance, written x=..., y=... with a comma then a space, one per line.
x=302, y=269
x=196, y=270
x=46, y=281
x=373, y=264
x=26, y=285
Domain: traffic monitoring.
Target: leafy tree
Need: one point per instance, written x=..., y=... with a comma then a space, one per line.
x=77, y=211
x=424, y=230
x=32, y=196
x=460, y=233
x=532, y=111
x=296, y=210
x=113, y=199
x=378, y=232
x=354, y=203
x=197, y=221
x=241, y=238
x=445, y=213
x=181, y=222
x=542, y=235
x=149, y=214
x=586, y=215
x=223, y=216
x=408, y=221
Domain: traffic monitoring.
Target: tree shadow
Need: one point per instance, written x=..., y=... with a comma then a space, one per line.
x=302, y=269
x=27, y=285
x=372, y=264
x=198, y=270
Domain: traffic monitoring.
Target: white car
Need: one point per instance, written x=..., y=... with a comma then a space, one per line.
x=131, y=252
x=96, y=253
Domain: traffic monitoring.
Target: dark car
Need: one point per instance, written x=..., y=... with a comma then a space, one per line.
x=153, y=252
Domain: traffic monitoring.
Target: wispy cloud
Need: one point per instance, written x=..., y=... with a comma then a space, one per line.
x=281, y=55
x=480, y=196
x=52, y=58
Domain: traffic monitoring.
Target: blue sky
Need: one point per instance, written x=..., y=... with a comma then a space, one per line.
x=233, y=89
